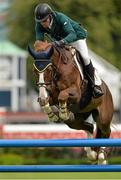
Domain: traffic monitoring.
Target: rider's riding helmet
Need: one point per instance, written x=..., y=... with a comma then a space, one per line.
x=42, y=12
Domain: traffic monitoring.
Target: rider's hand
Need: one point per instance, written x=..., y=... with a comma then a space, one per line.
x=59, y=43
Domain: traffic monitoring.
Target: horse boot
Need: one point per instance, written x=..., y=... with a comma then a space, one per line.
x=96, y=89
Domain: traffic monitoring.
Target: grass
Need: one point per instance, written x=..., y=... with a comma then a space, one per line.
x=61, y=176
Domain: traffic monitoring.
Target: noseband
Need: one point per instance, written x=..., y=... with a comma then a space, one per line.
x=42, y=65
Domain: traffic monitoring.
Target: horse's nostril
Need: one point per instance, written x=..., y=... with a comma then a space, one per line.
x=42, y=101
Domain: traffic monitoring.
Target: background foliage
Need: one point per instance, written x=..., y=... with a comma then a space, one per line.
x=101, y=18
x=31, y=156
x=17, y=156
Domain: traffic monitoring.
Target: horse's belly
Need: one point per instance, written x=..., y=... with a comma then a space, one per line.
x=82, y=108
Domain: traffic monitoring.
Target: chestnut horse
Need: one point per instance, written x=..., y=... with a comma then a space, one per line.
x=61, y=84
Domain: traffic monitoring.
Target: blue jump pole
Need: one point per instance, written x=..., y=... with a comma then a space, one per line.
x=60, y=143
x=60, y=168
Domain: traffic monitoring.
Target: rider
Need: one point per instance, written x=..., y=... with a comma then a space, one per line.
x=64, y=30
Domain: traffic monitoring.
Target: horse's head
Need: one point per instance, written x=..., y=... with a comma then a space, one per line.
x=42, y=67
x=60, y=57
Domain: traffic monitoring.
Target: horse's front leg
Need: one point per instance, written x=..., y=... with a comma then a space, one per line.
x=63, y=111
x=48, y=110
x=43, y=100
x=64, y=95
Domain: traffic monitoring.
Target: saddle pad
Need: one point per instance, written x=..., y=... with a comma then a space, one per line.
x=41, y=65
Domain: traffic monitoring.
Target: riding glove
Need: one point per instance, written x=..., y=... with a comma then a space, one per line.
x=59, y=43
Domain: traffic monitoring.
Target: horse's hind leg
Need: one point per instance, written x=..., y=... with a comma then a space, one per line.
x=79, y=123
x=102, y=151
x=91, y=154
x=103, y=130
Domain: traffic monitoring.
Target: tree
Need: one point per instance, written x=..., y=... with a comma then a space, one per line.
x=101, y=18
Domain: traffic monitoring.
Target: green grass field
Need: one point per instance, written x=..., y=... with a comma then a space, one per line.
x=61, y=176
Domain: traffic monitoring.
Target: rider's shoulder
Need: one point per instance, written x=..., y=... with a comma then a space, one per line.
x=59, y=15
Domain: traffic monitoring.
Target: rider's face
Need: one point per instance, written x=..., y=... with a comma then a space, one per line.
x=46, y=22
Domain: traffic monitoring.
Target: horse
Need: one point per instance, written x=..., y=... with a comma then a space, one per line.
x=65, y=94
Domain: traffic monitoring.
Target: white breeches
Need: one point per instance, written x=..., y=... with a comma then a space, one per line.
x=81, y=46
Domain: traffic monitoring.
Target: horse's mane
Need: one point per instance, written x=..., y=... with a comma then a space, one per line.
x=41, y=45
x=64, y=53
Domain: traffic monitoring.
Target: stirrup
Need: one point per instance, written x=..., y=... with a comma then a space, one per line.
x=97, y=92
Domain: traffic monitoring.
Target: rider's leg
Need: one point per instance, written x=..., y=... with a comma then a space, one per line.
x=81, y=46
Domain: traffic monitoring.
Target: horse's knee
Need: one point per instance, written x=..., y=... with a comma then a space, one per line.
x=63, y=96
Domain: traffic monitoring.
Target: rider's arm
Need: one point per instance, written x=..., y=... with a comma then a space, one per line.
x=69, y=30
x=39, y=32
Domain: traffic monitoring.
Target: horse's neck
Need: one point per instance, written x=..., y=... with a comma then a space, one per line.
x=64, y=55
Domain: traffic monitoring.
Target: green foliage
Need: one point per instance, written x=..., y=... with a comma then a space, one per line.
x=31, y=156
x=101, y=18
x=115, y=160
x=11, y=159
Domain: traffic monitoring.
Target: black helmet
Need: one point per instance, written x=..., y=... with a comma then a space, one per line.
x=42, y=11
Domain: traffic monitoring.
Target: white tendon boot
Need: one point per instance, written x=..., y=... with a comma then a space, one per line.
x=91, y=154
x=101, y=156
x=51, y=116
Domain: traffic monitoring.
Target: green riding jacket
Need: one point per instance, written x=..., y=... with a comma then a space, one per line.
x=63, y=28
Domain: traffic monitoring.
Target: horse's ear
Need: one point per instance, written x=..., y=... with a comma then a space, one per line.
x=41, y=55
x=31, y=52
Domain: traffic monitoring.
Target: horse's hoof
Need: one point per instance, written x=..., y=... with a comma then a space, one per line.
x=101, y=158
x=92, y=155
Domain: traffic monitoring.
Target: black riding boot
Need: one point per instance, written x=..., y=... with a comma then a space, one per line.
x=97, y=92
